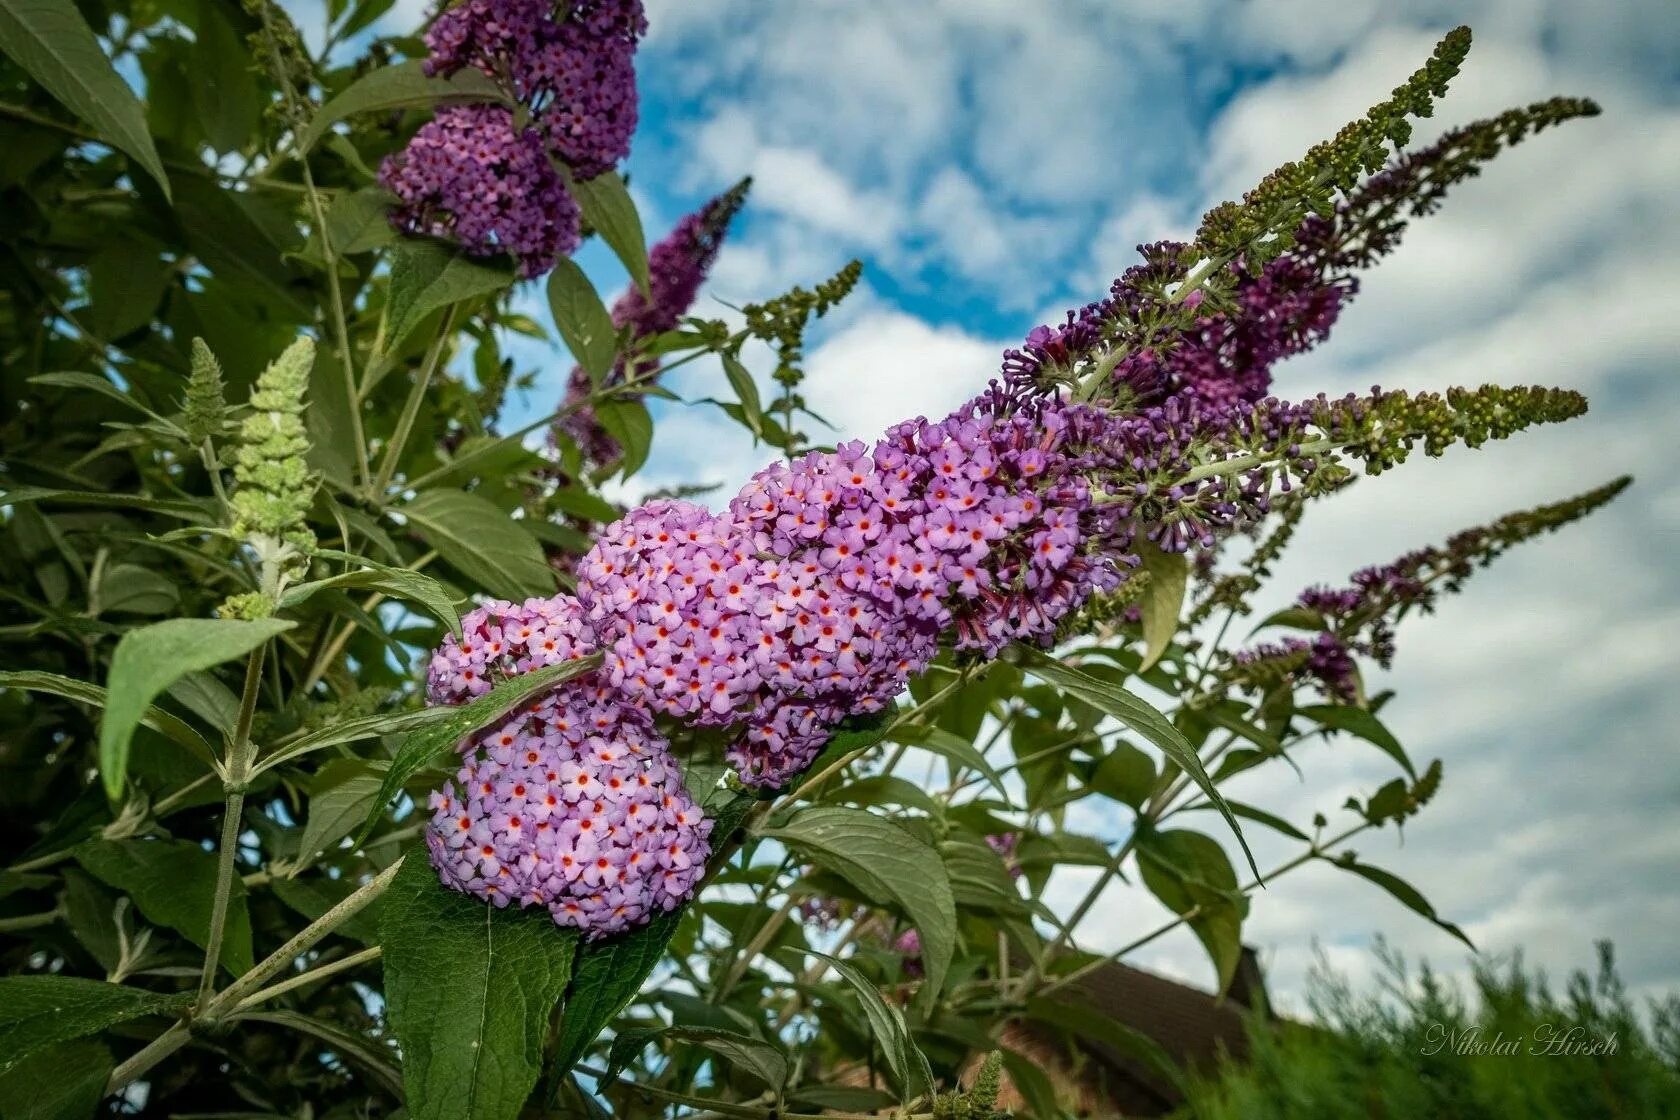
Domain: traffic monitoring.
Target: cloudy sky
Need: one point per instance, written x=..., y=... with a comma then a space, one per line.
x=993, y=162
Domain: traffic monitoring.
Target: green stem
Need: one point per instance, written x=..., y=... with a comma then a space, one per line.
x=411, y=407
x=354, y=960
x=234, y=779
x=30, y=921
x=247, y=985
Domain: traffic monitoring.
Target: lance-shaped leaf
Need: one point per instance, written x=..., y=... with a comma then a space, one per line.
x=886, y=1024
x=1361, y=724
x=470, y=990
x=582, y=319
x=482, y=542
x=436, y=740
x=150, y=659
x=889, y=863
x=608, y=210
x=53, y=44
x=37, y=1011
x=764, y=1060
x=1114, y=700
x=1402, y=891
x=403, y=86
x=1163, y=599
x=398, y=583
x=167, y=724
x=1190, y=874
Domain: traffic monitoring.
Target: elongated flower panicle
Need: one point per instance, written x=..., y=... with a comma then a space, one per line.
x=472, y=175
x=578, y=809
x=677, y=267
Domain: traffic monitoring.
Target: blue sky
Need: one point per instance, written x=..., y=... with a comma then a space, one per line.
x=993, y=162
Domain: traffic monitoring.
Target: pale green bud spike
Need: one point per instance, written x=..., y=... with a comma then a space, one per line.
x=275, y=487
x=205, y=405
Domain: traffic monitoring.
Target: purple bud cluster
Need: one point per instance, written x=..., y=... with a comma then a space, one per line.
x=1223, y=357
x=677, y=267
x=908, y=945
x=1325, y=659
x=470, y=175
x=1005, y=845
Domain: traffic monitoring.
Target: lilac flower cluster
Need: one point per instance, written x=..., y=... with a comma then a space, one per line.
x=471, y=175
x=501, y=640
x=579, y=809
x=830, y=580
x=1325, y=660
x=677, y=267
x=573, y=803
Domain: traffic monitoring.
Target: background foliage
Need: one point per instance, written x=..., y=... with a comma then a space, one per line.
x=226, y=551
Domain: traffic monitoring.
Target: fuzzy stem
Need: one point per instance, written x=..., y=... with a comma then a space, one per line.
x=320, y=973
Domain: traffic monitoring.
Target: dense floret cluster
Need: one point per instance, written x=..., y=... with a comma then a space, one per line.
x=501, y=640
x=471, y=174
x=574, y=805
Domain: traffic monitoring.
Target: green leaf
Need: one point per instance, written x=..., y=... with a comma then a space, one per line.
x=582, y=504
x=352, y=730
x=358, y=221
x=93, y=383
x=582, y=319
x=628, y=422
x=37, y=1011
x=1190, y=873
x=135, y=589
x=126, y=282
x=150, y=659
x=181, y=510
x=1260, y=816
x=164, y=723
x=609, y=974
x=1402, y=891
x=65, y=1081
x=398, y=583
x=886, y=1025
x=340, y=799
x=427, y=276
x=51, y=42
x=1114, y=700
x=884, y=789
x=470, y=990
x=1163, y=599
x=439, y=738
x=979, y=879
x=483, y=543
x=952, y=747
x=403, y=86
x=1092, y=1025
x=607, y=209
x=173, y=883
x=1362, y=724
x=765, y=1061
x=889, y=863
x=1125, y=774
x=746, y=391
x=313, y=895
